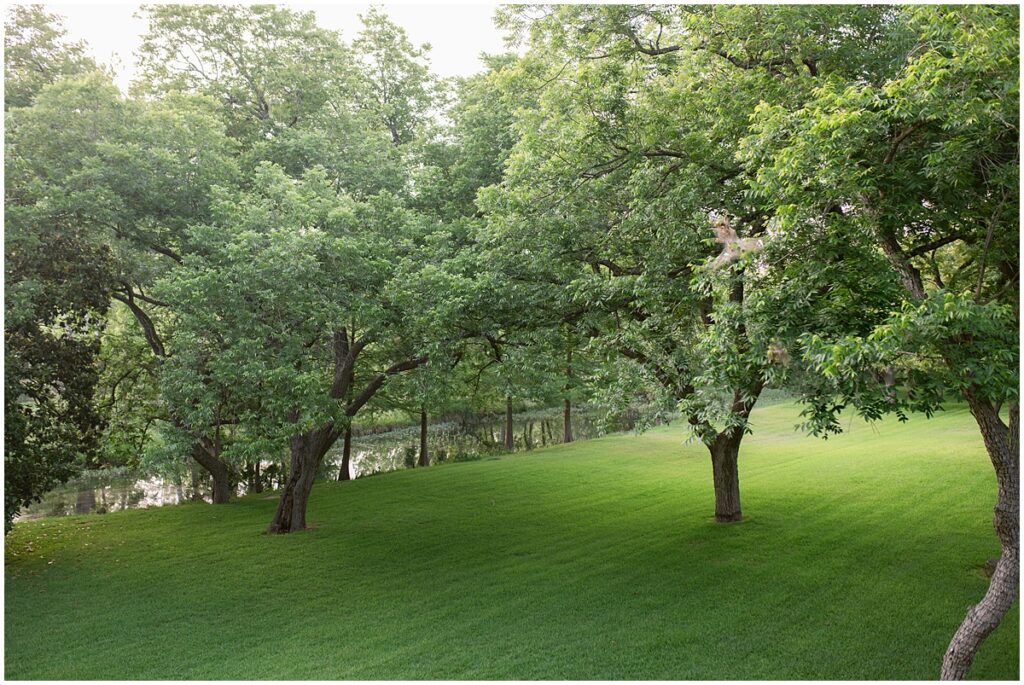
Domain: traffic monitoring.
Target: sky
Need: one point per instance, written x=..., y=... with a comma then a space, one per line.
x=457, y=33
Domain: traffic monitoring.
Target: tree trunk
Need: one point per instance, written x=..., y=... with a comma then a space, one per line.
x=307, y=451
x=725, y=452
x=543, y=438
x=424, y=453
x=345, y=472
x=257, y=482
x=510, y=438
x=194, y=472
x=567, y=421
x=1003, y=445
x=206, y=456
x=528, y=435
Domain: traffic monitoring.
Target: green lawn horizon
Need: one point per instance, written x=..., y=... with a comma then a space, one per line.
x=597, y=560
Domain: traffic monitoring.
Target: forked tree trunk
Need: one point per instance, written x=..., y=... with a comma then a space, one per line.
x=1003, y=445
x=725, y=452
x=424, y=452
x=567, y=421
x=205, y=456
x=510, y=438
x=307, y=451
x=345, y=472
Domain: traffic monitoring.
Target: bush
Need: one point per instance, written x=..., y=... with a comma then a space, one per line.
x=466, y=456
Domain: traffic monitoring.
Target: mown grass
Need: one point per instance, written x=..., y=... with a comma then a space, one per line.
x=593, y=560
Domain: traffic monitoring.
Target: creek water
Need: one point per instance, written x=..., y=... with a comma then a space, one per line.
x=375, y=450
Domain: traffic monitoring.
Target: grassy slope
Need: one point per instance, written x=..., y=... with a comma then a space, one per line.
x=596, y=560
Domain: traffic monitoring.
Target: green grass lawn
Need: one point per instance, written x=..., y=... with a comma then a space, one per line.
x=599, y=559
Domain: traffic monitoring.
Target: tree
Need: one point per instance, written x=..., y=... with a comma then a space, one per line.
x=397, y=86
x=37, y=53
x=304, y=304
x=55, y=300
x=56, y=273
x=269, y=67
x=79, y=156
x=924, y=164
x=626, y=176
x=470, y=151
x=290, y=92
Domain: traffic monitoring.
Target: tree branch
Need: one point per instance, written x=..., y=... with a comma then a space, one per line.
x=371, y=389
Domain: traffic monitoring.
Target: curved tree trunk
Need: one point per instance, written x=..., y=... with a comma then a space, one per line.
x=204, y=453
x=345, y=472
x=1003, y=445
x=725, y=451
x=307, y=451
x=424, y=452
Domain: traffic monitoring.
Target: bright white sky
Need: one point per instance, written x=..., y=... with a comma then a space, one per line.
x=457, y=33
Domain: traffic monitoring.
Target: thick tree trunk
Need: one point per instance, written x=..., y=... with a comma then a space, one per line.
x=510, y=438
x=424, y=451
x=1003, y=445
x=205, y=456
x=725, y=452
x=567, y=421
x=345, y=472
x=307, y=451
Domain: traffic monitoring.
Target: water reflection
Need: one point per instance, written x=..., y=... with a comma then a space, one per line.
x=100, y=492
x=374, y=450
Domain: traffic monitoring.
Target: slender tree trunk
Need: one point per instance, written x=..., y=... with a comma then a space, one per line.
x=424, y=453
x=543, y=438
x=510, y=438
x=567, y=421
x=345, y=472
x=1003, y=445
x=257, y=485
x=307, y=451
x=528, y=435
x=194, y=472
x=206, y=456
x=725, y=452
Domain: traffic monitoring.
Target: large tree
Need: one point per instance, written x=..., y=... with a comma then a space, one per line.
x=129, y=175
x=303, y=305
x=57, y=270
x=626, y=188
x=923, y=165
